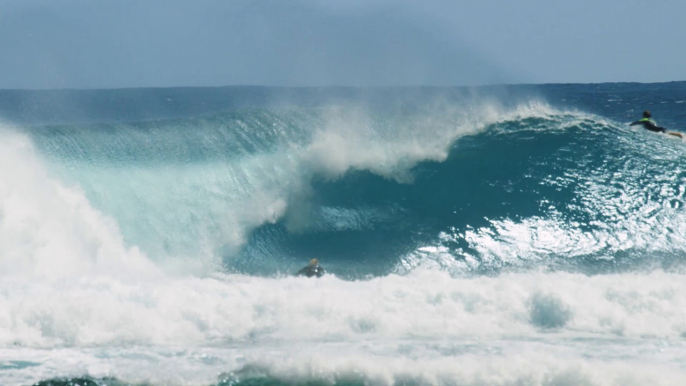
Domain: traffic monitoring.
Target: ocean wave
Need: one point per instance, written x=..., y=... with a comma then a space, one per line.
x=471, y=188
x=468, y=244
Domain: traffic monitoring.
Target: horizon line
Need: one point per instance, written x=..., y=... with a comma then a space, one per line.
x=335, y=86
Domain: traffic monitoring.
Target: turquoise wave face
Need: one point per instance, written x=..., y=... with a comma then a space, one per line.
x=260, y=191
x=562, y=191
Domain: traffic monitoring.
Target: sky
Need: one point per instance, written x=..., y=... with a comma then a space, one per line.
x=49, y=44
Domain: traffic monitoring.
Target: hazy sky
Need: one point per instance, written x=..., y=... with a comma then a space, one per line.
x=141, y=43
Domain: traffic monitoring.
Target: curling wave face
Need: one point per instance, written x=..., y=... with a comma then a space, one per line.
x=258, y=191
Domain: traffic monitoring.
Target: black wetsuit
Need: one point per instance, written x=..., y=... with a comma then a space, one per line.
x=312, y=270
x=649, y=125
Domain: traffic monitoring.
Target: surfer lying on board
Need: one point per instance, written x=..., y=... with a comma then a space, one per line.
x=648, y=123
x=312, y=269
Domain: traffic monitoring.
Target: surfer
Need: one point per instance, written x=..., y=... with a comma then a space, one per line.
x=649, y=124
x=312, y=269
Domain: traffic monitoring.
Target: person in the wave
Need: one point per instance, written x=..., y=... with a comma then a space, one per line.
x=649, y=124
x=312, y=269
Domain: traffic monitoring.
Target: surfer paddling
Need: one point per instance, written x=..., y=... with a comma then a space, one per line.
x=312, y=269
x=649, y=124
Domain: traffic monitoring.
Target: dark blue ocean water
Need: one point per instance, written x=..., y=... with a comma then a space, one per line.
x=492, y=235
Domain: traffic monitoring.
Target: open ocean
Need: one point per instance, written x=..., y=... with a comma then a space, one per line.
x=501, y=235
